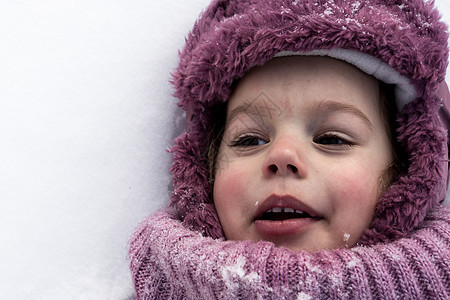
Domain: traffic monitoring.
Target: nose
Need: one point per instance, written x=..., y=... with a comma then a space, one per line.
x=284, y=159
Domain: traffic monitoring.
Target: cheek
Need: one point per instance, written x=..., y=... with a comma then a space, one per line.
x=355, y=195
x=229, y=190
x=230, y=195
x=359, y=190
x=360, y=178
x=353, y=200
x=229, y=177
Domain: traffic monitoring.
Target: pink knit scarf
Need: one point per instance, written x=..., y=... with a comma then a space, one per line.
x=169, y=261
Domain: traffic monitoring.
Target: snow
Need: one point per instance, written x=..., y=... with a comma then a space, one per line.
x=86, y=117
x=346, y=237
x=235, y=276
x=303, y=296
x=85, y=121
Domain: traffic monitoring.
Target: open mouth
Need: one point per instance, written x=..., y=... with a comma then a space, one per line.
x=284, y=215
x=281, y=214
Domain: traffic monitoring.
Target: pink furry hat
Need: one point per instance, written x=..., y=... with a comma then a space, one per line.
x=401, y=42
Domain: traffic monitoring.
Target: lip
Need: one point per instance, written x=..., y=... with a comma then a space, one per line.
x=270, y=228
x=284, y=201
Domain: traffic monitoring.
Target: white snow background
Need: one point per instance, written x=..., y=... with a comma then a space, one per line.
x=86, y=116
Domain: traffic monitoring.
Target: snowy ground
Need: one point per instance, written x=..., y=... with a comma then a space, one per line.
x=85, y=119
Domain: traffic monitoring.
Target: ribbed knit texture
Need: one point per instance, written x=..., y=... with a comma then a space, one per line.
x=169, y=261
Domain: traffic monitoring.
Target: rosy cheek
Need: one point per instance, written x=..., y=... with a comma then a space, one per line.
x=354, y=185
x=361, y=177
x=354, y=200
x=229, y=187
x=230, y=193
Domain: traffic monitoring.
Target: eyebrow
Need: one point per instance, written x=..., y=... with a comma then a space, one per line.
x=334, y=106
x=325, y=107
x=243, y=108
x=256, y=112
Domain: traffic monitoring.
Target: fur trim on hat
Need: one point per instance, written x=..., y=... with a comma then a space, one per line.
x=231, y=37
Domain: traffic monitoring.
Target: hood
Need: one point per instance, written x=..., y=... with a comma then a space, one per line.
x=401, y=42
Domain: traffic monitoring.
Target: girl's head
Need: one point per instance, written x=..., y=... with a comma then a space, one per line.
x=303, y=155
x=310, y=133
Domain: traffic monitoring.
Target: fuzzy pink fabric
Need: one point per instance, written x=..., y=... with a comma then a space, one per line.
x=169, y=261
x=232, y=36
x=405, y=252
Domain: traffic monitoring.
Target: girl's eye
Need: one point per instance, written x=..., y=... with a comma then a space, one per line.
x=331, y=139
x=248, y=141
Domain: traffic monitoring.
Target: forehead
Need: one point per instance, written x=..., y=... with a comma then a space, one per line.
x=293, y=82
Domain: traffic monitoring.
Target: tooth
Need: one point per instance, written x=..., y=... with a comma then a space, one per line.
x=288, y=210
x=276, y=209
x=298, y=211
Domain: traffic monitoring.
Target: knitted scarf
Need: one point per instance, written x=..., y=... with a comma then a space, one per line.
x=169, y=261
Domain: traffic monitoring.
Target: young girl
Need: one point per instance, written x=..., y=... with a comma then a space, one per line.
x=314, y=160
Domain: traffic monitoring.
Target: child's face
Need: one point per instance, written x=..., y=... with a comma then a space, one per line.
x=303, y=154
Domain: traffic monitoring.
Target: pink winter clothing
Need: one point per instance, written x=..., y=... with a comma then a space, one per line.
x=169, y=261
x=181, y=252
